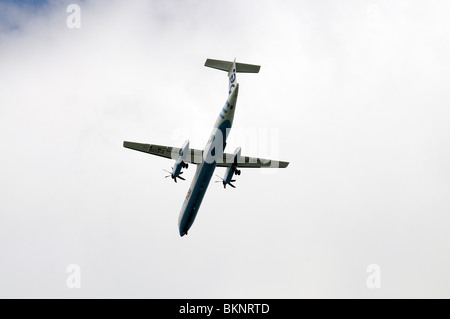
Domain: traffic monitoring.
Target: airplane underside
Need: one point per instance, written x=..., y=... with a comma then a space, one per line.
x=206, y=159
x=196, y=197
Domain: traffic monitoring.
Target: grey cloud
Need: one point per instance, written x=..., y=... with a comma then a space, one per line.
x=357, y=92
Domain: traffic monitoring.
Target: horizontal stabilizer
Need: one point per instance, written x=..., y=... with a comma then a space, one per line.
x=247, y=68
x=227, y=65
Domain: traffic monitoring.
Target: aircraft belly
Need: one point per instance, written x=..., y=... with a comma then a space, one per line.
x=198, y=190
x=199, y=185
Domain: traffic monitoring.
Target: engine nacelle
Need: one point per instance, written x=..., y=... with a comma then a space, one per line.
x=232, y=169
x=185, y=152
x=180, y=162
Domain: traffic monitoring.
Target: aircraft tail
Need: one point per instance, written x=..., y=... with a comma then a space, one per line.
x=232, y=68
x=227, y=65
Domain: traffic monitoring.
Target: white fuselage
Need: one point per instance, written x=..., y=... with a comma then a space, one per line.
x=212, y=153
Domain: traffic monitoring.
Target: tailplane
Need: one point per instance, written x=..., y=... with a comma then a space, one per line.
x=227, y=66
x=232, y=68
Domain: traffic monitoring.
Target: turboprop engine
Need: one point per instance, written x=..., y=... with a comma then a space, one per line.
x=179, y=163
x=231, y=170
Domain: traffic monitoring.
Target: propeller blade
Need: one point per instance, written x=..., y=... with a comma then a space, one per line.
x=181, y=178
x=219, y=177
x=167, y=176
x=233, y=180
x=180, y=173
x=175, y=179
x=231, y=185
x=167, y=171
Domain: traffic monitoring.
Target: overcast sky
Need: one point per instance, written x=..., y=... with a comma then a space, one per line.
x=354, y=94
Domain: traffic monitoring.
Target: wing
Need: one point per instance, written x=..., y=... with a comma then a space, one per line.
x=195, y=156
x=251, y=162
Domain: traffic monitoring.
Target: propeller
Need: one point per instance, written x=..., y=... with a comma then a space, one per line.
x=167, y=172
x=225, y=184
x=174, y=178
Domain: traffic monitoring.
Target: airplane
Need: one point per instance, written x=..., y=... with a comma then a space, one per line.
x=213, y=154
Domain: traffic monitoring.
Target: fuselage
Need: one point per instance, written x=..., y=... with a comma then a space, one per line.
x=213, y=151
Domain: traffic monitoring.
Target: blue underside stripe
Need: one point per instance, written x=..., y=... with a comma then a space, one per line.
x=224, y=111
x=221, y=116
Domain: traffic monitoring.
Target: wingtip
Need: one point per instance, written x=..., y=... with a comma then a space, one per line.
x=284, y=164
